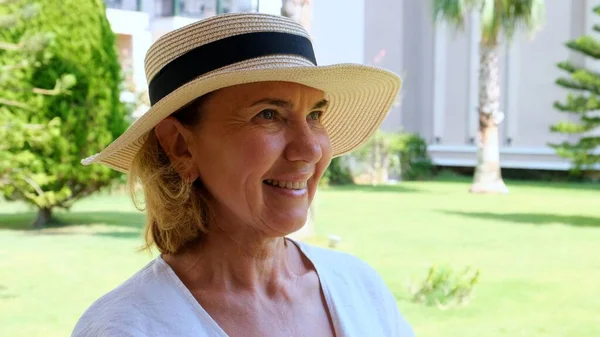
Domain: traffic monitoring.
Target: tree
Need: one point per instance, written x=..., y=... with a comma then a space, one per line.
x=18, y=61
x=583, y=103
x=499, y=18
x=49, y=131
x=28, y=54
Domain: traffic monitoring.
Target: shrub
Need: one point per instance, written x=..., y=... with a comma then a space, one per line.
x=393, y=154
x=338, y=173
x=415, y=163
x=445, y=288
x=377, y=158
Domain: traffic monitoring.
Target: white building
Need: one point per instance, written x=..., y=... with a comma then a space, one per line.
x=439, y=66
x=138, y=23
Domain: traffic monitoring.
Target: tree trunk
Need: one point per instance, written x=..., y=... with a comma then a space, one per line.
x=376, y=164
x=488, y=177
x=44, y=216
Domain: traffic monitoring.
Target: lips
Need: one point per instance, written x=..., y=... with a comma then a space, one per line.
x=290, y=185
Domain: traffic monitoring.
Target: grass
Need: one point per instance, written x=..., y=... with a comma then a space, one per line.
x=537, y=249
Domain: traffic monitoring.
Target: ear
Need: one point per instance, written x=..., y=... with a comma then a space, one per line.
x=176, y=140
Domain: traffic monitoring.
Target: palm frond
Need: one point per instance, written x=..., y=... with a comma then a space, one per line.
x=507, y=16
x=490, y=17
x=452, y=12
x=529, y=14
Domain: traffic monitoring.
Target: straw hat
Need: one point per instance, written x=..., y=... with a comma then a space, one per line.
x=240, y=48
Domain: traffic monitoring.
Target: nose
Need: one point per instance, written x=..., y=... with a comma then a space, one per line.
x=303, y=144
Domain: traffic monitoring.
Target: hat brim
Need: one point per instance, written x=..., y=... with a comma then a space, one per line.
x=360, y=98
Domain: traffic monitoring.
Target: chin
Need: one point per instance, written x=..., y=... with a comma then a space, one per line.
x=287, y=225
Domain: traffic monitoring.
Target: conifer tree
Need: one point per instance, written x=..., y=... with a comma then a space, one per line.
x=582, y=104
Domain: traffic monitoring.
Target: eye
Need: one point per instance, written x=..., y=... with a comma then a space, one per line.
x=267, y=114
x=315, y=115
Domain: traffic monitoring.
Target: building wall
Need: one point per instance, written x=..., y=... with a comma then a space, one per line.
x=452, y=128
x=416, y=107
x=337, y=31
x=439, y=66
x=383, y=47
x=535, y=90
x=270, y=6
x=125, y=50
x=135, y=27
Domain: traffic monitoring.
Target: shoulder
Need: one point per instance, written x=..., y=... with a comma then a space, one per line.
x=122, y=311
x=342, y=264
x=357, y=284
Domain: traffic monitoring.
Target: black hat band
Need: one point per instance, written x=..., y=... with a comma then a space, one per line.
x=224, y=52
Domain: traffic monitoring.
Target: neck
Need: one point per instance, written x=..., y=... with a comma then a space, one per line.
x=236, y=262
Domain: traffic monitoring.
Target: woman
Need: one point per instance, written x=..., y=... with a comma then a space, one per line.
x=242, y=126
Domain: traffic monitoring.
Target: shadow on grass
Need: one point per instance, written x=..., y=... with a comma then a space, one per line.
x=133, y=221
x=121, y=219
x=572, y=186
x=3, y=295
x=370, y=188
x=121, y=235
x=533, y=218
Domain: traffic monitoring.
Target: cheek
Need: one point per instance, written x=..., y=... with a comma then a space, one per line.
x=258, y=153
x=235, y=159
x=326, y=156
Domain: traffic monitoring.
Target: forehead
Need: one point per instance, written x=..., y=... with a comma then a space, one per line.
x=251, y=92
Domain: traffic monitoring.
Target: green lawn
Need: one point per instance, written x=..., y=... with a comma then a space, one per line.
x=538, y=250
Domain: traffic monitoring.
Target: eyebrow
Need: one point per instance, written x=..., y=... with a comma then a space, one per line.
x=287, y=104
x=320, y=104
x=276, y=102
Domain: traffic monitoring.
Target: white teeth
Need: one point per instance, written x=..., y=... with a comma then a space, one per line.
x=292, y=185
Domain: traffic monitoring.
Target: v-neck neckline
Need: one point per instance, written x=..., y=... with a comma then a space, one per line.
x=206, y=317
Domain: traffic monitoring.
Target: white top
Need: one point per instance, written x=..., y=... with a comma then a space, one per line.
x=154, y=302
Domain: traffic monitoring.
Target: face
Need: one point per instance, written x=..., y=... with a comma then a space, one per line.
x=260, y=150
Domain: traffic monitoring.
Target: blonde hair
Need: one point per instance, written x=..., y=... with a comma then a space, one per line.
x=177, y=211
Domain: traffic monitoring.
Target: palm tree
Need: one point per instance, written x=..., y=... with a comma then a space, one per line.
x=499, y=19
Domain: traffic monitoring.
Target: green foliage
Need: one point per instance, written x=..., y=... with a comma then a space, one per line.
x=338, y=173
x=583, y=104
x=378, y=157
x=395, y=154
x=59, y=99
x=445, y=287
x=415, y=163
x=496, y=16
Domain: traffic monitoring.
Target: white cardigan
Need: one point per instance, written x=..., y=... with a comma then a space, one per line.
x=154, y=302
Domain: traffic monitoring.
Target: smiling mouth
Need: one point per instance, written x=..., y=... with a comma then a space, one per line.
x=290, y=185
